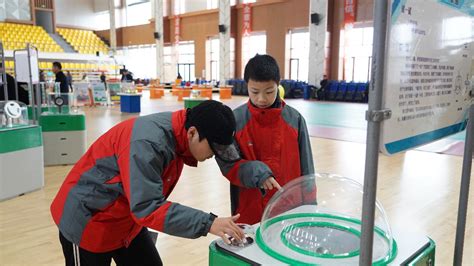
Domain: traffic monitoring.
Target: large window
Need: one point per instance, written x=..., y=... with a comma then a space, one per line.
x=254, y=44
x=140, y=60
x=299, y=54
x=356, y=52
x=185, y=66
x=212, y=62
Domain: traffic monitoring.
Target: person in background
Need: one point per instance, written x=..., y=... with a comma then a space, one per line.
x=69, y=79
x=103, y=79
x=42, y=76
x=10, y=86
x=60, y=77
x=127, y=76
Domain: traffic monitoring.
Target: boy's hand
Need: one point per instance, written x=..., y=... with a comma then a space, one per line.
x=225, y=227
x=271, y=183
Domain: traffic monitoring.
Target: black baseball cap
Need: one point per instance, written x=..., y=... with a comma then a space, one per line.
x=215, y=122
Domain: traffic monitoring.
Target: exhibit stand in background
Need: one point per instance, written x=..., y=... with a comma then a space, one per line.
x=21, y=143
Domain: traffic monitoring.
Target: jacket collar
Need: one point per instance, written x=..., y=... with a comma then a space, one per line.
x=267, y=116
x=178, y=120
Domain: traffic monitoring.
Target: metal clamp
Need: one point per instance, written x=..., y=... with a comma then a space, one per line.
x=378, y=115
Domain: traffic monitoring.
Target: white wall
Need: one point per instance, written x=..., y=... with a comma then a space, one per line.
x=81, y=13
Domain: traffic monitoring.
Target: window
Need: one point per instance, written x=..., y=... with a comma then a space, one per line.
x=299, y=54
x=137, y=60
x=254, y=44
x=212, y=64
x=212, y=4
x=356, y=47
x=185, y=65
x=138, y=12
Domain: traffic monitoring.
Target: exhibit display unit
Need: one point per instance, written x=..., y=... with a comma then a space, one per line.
x=316, y=220
x=21, y=151
x=130, y=99
x=193, y=100
x=64, y=130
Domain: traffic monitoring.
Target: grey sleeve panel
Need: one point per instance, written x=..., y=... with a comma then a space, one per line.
x=155, y=128
x=297, y=121
x=186, y=222
x=151, y=149
x=147, y=162
x=224, y=166
x=306, y=156
x=242, y=116
x=252, y=174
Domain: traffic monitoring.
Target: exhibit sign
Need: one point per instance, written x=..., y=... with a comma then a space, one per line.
x=427, y=80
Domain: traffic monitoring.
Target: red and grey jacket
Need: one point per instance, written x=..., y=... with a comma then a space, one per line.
x=122, y=182
x=272, y=142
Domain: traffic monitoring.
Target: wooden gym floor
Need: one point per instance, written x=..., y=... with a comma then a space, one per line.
x=419, y=191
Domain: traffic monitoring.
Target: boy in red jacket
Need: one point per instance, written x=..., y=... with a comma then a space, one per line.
x=121, y=185
x=273, y=141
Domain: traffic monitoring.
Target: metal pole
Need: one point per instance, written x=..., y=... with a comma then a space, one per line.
x=4, y=73
x=464, y=194
x=374, y=117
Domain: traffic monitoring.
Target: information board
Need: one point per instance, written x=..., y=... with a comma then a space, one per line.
x=427, y=72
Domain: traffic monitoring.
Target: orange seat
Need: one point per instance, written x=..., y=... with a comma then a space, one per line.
x=225, y=93
x=206, y=93
x=156, y=93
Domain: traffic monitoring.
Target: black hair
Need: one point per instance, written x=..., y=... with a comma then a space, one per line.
x=262, y=68
x=213, y=120
x=58, y=65
x=191, y=122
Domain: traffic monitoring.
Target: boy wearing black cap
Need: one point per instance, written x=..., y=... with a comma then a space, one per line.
x=120, y=186
x=273, y=142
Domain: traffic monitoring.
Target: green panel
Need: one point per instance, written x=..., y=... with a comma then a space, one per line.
x=58, y=122
x=190, y=103
x=20, y=138
x=218, y=258
x=30, y=111
x=425, y=258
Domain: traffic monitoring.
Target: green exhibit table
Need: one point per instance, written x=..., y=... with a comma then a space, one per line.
x=64, y=137
x=21, y=160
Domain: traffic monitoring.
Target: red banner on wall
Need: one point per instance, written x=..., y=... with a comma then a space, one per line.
x=247, y=20
x=350, y=7
x=176, y=29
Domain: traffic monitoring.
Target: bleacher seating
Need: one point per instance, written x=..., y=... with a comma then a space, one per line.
x=17, y=36
x=239, y=86
x=293, y=88
x=83, y=41
x=345, y=91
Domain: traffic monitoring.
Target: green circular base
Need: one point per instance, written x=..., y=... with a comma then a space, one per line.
x=259, y=239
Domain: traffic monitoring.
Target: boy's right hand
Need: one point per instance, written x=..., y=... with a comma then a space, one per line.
x=225, y=227
x=271, y=183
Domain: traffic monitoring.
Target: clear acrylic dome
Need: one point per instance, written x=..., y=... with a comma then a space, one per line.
x=316, y=219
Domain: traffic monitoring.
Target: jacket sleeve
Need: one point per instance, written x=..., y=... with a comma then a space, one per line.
x=141, y=166
x=245, y=173
x=304, y=145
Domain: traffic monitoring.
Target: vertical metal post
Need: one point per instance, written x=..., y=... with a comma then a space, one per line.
x=374, y=118
x=464, y=193
x=4, y=73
